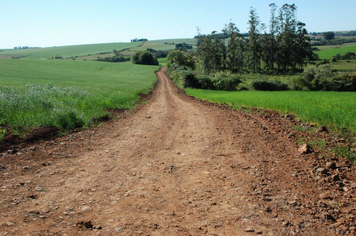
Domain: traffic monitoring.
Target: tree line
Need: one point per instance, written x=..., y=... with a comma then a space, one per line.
x=285, y=48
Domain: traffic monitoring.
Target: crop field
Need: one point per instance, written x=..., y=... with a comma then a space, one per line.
x=163, y=45
x=333, y=109
x=344, y=66
x=66, y=93
x=65, y=51
x=329, y=53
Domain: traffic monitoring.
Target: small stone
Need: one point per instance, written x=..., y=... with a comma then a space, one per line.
x=249, y=230
x=304, y=149
x=323, y=171
x=9, y=223
x=325, y=196
x=40, y=189
x=86, y=209
x=118, y=229
x=336, y=177
x=322, y=129
x=11, y=151
x=331, y=165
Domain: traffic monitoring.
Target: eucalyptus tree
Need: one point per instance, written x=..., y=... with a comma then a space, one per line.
x=254, y=43
x=286, y=37
x=235, y=48
x=268, y=41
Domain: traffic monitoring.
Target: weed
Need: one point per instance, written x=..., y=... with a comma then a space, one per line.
x=2, y=133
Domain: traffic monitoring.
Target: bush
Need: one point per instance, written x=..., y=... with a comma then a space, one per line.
x=317, y=78
x=264, y=85
x=116, y=58
x=144, y=58
x=190, y=81
x=225, y=81
x=205, y=82
x=344, y=82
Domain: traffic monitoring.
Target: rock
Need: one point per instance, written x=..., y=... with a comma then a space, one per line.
x=325, y=196
x=86, y=209
x=322, y=129
x=304, y=149
x=118, y=229
x=249, y=230
x=9, y=223
x=11, y=151
x=330, y=218
x=322, y=171
x=336, y=177
x=40, y=189
x=331, y=165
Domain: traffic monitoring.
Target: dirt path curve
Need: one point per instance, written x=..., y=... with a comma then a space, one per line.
x=175, y=167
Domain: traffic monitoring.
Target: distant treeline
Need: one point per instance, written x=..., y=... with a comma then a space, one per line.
x=348, y=33
x=215, y=35
x=138, y=40
x=335, y=41
x=116, y=58
x=25, y=47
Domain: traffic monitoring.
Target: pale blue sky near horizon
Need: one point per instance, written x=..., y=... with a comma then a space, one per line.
x=43, y=23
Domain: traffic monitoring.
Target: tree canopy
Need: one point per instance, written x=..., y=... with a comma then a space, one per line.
x=145, y=58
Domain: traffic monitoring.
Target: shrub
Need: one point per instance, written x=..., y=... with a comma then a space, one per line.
x=344, y=82
x=225, y=81
x=264, y=85
x=116, y=58
x=144, y=58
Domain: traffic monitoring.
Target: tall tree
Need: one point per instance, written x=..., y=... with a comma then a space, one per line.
x=286, y=37
x=303, y=50
x=235, y=48
x=269, y=44
x=254, y=43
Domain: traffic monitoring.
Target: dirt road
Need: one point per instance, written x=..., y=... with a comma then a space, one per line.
x=177, y=166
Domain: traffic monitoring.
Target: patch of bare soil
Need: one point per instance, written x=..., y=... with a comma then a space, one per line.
x=177, y=167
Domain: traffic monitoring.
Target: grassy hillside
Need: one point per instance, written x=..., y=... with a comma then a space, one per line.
x=66, y=51
x=163, y=45
x=329, y=53
x=66, y=93
x=335, y=109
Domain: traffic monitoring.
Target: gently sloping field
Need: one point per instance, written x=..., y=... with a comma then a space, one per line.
x=335, y=109
x=66, y=51
x=163, y=45
x=329, y=53
x=176, y=167
x=67, y=94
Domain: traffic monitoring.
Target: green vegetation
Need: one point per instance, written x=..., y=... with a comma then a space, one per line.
x=66, y=51
x=333, y=109
x=65, y=93
x=329, y=53
x=144, y=58
x=221, y=63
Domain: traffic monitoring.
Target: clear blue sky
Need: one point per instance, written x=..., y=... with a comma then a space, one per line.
x=47, y=23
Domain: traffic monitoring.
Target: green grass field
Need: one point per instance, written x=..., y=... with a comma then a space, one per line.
x=163, y=45
x=329, y=53
x=65, y=51
x=67, y=93
x=333, y=109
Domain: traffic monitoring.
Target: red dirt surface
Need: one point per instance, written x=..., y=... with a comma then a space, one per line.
x=177, y=166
